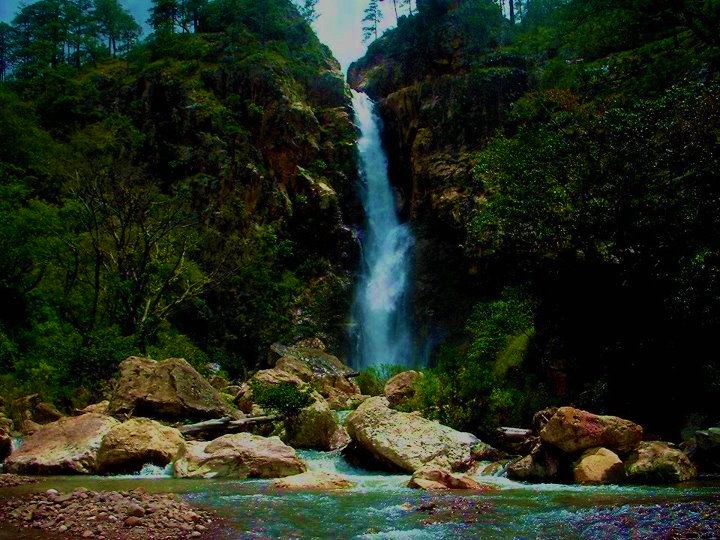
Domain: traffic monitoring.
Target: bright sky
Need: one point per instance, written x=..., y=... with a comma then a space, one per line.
x=339, y=25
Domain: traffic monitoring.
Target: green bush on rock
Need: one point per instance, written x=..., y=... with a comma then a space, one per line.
x=284, y=398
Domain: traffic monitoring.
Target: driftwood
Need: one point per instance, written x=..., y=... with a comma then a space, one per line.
x=210, y=429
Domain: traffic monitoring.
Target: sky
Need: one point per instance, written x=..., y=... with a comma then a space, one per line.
x=339, y=25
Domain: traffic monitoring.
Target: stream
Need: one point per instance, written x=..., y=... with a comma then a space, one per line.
x=380, y=506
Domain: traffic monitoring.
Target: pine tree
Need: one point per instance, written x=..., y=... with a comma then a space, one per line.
x=372, y=17
x=165, y=15
x=6, y=39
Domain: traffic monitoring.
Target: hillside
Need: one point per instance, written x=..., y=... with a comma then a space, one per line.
x=561, y=175
x=189, y=195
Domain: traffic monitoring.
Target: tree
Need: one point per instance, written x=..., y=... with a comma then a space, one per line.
x=81, y=30
x=116, y=25
x=40, y=37
x=192, y=14
x=408, y=4
x=6, y=40
x=165, y=15
x=372, y=17
x=308, y=10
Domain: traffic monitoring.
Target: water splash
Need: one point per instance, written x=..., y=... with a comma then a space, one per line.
x=381, y=312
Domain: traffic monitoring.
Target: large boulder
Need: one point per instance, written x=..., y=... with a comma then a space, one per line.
x=656, y=462
x=432, y=477
x=599, y=466
x=313, y=481
x=574, y=430
x=323, y=371
x=166, y=390
x=315, y=426
x=137, y=442
x=543, y=464
x=401, y=387
x=67, y=446
x=33, y=413
x=240, y=455
x=406, y=441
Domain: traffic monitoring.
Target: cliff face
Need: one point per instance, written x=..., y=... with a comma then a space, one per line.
x=437, y=114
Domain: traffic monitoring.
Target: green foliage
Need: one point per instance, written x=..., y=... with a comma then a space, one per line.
x=283, y=398
x=484, y=383
x=164, y=221
x=372, y=380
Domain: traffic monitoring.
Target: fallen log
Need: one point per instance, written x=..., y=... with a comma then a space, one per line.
x=210, y=429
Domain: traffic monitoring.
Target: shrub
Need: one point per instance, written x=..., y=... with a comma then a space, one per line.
x=283, y=398
x=372, y=380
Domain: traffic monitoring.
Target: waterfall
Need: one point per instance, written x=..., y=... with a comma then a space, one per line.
x=381, y=327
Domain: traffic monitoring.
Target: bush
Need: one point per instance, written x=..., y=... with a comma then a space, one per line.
x=372, y=380
x=283, y=398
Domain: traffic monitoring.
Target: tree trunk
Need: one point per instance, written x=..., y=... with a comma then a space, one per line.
x=511, y=4
x=211, y=429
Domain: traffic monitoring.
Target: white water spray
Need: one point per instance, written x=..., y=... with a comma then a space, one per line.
x=381, y=320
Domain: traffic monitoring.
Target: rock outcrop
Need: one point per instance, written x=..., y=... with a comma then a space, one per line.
x=166, y=390
x=401, y=387
x=33, y=413
x=67, y=446
x=406, y=441
x=708, y=449
x=574, y=430
x=137, y=442
x=325, y=372
x=656, y=462
x=432, y=477
x=241, y=455
x=313, y=481
x=599, y=466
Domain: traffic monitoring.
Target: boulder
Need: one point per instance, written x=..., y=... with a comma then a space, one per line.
x=240, y=455
x=406, y=441
x=167, y=390
x=432, y=477
x=541, y=418
x=315, y=426
x=599, y=466
x=484, y=452
x=328, y=374
x=313, y=481
x=543, y=464
x=33, y=413
x=574, y=430
x=656, y=462
x=139, y=441
x=517, y=441
x=67, y=446
x=401, y=387
x=101, y=407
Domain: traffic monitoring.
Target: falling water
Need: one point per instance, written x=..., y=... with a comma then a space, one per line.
x=381, y=321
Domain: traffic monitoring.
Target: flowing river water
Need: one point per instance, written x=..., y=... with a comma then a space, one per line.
x=380, y=506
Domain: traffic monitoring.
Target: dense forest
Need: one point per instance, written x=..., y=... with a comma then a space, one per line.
x=191, y=193
x=184, y=195
x=561, y=172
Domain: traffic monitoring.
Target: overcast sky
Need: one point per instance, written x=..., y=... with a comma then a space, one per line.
x=339, y=25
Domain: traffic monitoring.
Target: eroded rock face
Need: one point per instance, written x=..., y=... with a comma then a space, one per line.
x=313, y=481
x=599, y=466
x=167, y=390
x=101, y=407
x=240, y=455
x=401, y=387
x=432, y=477
x=67, y=446
x=573, y=430
x=708, y=449
x=34, y=413
x=656, y=462
x=406, y=441
x=139, y=441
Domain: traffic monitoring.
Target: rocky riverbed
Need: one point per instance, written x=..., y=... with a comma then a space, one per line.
x=109, y=514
